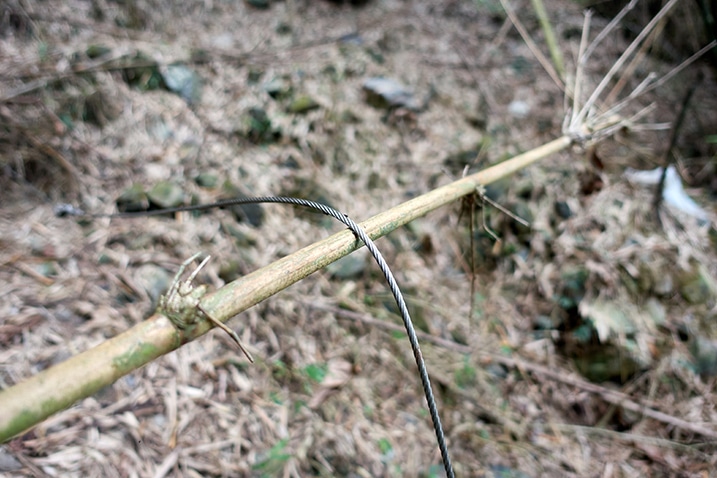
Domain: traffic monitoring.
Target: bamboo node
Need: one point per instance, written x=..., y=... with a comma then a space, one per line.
x=181, y=304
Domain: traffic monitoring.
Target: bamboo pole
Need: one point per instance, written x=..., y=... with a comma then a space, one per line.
x=26, y=404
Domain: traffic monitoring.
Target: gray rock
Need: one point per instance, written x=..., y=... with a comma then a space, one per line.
x=386, y=93
x=166, y=194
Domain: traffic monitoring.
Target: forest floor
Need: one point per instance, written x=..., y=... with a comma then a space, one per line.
x=585, y=347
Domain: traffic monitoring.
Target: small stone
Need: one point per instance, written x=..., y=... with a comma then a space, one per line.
x=251, y=213
x=100, y=108
x=277, y=88
x=96, y=51
x=47, y=268
x=166, y=194
x=133, y=199
x=207, y=180
x=254, y=76
x=283, y=28
x=349, y=267
x=351, y=39
x=606, y=363
x=241, y=238
x=562, y=209
x=349, y=117
x=230, y=270
x=153, y=279
x=183, y=81
x=312, y=190
x=519, y=109
x=386, y=93
x=303, y=104
x=260, y=4
x=259, y=128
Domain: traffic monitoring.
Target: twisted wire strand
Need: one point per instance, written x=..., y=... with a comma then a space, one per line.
x=370, y=245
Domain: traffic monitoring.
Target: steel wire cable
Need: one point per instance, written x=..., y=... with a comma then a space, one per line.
x=370, y=245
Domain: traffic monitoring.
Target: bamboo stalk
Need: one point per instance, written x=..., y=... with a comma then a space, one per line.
x=26, y=404
x=550, y=38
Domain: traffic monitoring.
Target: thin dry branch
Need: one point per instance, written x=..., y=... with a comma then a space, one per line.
x=610, y=396
x=547, y=66
x=580, y=70
x=631, y=438
x=609, y=28
x=637, y=60
x=652, y=82
x=590, y=103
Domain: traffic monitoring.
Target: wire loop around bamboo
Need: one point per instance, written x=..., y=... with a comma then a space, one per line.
x=28, y=403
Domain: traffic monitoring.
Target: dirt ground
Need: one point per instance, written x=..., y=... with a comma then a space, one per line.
x=523, y=383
